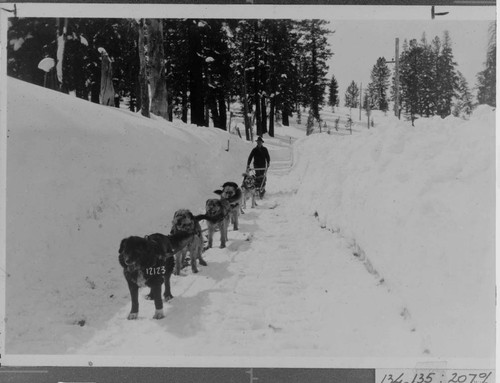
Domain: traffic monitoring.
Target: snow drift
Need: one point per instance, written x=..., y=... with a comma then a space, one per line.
x=419, y=204
x=415, y=204
x=80, y=178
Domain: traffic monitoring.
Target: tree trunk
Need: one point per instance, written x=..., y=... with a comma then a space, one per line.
x=184, y=115
x=315, y=99
x=143, y=80
x=107, y=94
x=263, y=81
x=263, y=111
x=222, y=111
x=212, y=103
x=256, y=85
x=159, y=102
x=271, y=116
x=248, y=124
x=220, y=108
x=196, y=94
x=170, y=105
x=94, y=92
x=206, y=117
x=246, y=111
x=285, y=114
x=61, y=42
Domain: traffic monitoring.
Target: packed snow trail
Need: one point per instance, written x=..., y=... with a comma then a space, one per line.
x=283, y=287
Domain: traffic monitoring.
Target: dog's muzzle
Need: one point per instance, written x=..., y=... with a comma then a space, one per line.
x=228, y=194
x=212, y=211
x=185, y=227
x=131, y=265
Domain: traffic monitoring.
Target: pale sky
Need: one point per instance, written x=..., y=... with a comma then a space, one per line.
x=358, y=44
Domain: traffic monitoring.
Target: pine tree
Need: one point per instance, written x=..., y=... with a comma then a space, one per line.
x=379, y=85
x=446, y=79
x=352, y=96
x=241, y=32
x=282, y=53
x=177, y=52
x=410, y=80
x=487, y=78
x=217, y=70
x=428, y=77
x=333, y=95
x=463, y=104
x=317, y=53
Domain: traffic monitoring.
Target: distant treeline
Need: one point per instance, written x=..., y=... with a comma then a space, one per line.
x=272, y=67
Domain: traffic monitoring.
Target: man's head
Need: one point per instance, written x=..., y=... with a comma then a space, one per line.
x=260, y=141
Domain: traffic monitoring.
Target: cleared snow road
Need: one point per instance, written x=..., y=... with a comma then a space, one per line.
x=282, y=287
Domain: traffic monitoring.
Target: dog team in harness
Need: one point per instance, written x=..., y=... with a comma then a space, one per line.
x=150, y=261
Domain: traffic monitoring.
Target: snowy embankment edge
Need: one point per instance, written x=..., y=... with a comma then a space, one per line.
x=417, y=205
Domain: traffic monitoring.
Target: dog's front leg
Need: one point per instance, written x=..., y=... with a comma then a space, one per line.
x=134, y=297
x=179, y=259
x=236, y=223
x=156, y=291
x=211, y=230
x=167, y=295
x=223, y=232
x=194, y=268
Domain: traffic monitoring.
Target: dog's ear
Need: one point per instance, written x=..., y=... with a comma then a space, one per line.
x=218, y=192
x=122, y=245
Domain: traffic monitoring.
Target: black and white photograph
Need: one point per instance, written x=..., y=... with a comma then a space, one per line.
x=268, y=186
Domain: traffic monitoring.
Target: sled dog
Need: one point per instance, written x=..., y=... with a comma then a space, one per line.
x=185, y=222
x=249, y=190
x=148, y=261
x=217, y=217
x=232, y=193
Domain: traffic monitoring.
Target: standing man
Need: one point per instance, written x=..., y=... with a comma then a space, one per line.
x=261, y=161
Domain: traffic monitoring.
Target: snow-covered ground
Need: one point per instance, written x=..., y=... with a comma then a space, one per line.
x=378, y=244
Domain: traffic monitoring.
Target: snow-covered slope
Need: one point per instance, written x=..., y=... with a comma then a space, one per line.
x=416, y=206
x=80, y=178
x=419, y=203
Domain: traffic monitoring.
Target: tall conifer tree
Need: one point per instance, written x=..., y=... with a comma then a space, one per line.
x=333, y=94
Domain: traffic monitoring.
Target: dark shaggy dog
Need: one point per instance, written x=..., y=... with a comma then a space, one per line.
x=232, y=193
x=185, y=222
x=249, y=189
x=149, y=262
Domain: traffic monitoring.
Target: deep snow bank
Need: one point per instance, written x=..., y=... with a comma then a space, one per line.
x=420, y=202
x=80, y=177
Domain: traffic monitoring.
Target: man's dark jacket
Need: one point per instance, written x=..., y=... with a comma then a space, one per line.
x=260, y=157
